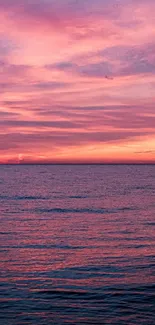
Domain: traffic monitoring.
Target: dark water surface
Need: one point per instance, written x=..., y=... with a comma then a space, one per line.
x=77, y=245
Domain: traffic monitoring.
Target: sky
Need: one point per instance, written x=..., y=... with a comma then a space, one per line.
x=77, y=81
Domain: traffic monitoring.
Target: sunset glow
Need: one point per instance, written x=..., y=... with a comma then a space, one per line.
x=77, y=81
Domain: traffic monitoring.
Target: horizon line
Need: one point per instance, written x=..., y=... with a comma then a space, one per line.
x=75, y=164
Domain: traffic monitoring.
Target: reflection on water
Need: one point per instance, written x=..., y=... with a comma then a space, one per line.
x=77, y=245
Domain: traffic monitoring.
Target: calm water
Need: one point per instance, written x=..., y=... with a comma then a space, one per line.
x=77, y=245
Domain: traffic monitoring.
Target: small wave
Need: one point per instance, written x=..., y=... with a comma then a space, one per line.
x=78, y=197
x=71, y=197
x=146, y=187
x=130, y=295
x=20, y=198
x=30, y=198
x=85, y=210
x=62, y=293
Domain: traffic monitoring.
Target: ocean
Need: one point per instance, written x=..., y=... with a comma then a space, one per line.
x=77, y=244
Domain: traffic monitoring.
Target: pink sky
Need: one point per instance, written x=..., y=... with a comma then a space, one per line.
x=77, y=81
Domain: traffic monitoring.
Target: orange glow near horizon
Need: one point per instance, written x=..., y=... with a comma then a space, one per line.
x=77, y=81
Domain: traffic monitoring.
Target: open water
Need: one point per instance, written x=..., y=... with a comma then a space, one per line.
x=77, y=245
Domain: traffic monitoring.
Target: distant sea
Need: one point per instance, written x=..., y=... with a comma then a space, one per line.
x=77, y=244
